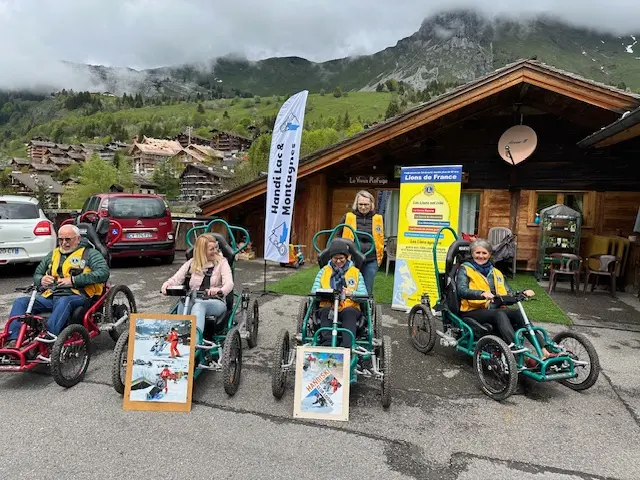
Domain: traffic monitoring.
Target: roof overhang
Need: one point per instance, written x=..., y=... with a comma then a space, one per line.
x=522, y=72
x=625, y=128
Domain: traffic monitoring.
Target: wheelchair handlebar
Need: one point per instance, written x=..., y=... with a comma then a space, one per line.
x=230, y=228
x=354, y=232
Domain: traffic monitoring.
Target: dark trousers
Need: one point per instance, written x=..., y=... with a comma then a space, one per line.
x=348, y=318
x=504, y=320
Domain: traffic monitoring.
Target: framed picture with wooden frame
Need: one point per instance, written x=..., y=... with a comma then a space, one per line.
x=322, y=383
x=160, y=362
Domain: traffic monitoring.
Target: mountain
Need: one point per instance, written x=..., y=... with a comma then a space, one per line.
x=458, y=45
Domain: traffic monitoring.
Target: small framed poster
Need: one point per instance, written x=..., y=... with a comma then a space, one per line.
x=322, y=383
x=160, y=362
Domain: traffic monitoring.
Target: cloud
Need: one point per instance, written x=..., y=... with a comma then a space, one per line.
x=152, y=33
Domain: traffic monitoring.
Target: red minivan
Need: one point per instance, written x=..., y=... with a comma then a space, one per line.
x=147, y=230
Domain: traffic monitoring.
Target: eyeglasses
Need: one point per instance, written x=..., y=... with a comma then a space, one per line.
x=66, y=239
x=364, y=204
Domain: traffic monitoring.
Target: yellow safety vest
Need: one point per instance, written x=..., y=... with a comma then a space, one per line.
x=351, y=277
x=477, y=281
x=377, y=232
x=74, y=261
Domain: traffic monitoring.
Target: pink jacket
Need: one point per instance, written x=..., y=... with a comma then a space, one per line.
x=220, y=278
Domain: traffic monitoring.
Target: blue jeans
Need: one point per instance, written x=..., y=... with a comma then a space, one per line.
x=369, y=270
x=60, y=308
x=207, y=308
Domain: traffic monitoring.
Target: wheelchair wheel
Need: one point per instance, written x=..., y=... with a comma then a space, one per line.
x=70, y=356
x=119, y=363
x=377, y=321
x=119, y=301
x=232, y=362
x=385, y=366
x=422, y=328
x=496, y=367
x=580, y=348
x=253, y=320
x=280, y=356
x=302, y=311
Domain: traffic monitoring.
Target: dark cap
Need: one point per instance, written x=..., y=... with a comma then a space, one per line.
x=338, y=248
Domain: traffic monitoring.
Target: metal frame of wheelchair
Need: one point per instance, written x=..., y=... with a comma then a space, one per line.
x=32, y=349
x=474, y=339
x=222, y=350
x=368, y=346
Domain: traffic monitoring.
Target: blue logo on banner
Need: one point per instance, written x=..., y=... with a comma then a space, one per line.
x=283, y=235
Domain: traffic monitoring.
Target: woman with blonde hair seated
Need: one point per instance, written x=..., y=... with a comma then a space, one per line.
x=207, y=271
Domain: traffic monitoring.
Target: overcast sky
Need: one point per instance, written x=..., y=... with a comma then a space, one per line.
x=149, y=33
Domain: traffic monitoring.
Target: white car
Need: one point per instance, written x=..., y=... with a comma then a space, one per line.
x=26, y=234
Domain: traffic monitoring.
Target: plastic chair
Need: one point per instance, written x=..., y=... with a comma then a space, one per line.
x=496, y=236
x=569, y=265
x=392, y=246
x=607, y=266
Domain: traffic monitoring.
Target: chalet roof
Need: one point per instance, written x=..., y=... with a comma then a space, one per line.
x=63, y=146
x=20, y=161
x=194, y=154
x=40, y=143
x=55, y=151
x=61, y=160
x=206, y=150
x=158, y=147
x=92, y=146
x=29, y=180
x=212, y=171
x=193, y=135
x=77, y=156
x=143, y=181
x=625, y=128
x=522, y=72
x=43, y=167
x=230, y=134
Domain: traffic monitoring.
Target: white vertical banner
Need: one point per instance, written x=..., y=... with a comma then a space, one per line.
x=283, y=174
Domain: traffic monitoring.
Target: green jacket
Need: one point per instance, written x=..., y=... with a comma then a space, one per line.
x=95, y=261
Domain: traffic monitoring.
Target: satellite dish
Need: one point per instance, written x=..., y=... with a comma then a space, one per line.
x=517, y=144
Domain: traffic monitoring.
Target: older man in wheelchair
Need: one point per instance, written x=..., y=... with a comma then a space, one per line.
x=341, y=274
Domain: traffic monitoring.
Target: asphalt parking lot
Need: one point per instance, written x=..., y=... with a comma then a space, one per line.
x=439, y=425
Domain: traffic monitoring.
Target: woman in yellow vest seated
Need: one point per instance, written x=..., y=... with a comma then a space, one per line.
x=341, y=274
x=363, y=218
x=478, y=283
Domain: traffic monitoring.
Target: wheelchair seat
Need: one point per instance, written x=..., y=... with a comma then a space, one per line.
x=91, y=238
x=223, y=246
x=357, y=257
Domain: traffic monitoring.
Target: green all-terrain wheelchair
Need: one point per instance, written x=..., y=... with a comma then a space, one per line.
x=370, y=352
x=497, y=364
x=219, y=347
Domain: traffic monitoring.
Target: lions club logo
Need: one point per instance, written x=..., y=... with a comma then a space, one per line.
x=378, y=229
x=75, y=261
x=351, y=283
x=429, y=189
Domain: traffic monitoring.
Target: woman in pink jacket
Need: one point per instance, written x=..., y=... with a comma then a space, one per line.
x=208, y=271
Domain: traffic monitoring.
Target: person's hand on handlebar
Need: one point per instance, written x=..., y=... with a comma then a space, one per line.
x=65, y=282
x=47, y=280
x=215, y=292
x=347, y=292
x=163, y=290
x=488, y=295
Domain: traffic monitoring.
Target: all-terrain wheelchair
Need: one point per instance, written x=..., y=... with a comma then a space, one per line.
x=219, y=347
x=370, y=352
x=497, y=364
x=68, y=354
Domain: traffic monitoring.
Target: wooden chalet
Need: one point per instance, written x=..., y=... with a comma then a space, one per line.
x=463, y=126
x=227, y=141
x=149, y=152
x=198, y=181
x=185, y=139
x=32, y=184
x=37, y=149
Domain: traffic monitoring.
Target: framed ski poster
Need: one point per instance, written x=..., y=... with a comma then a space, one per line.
x=322, y=383
x=160, y=362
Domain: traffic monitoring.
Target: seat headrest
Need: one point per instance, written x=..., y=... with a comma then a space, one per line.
x=91, y=238
x=458, y=252
x=357, y=257
x=102, y=227
x=223, y=246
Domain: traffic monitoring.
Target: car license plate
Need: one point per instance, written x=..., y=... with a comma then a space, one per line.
x=9, y=251
x=140, y=235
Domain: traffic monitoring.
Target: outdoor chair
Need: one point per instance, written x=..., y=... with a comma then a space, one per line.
x=392, y=245
x=505, y=247
x=607, y=266
x=565, y=264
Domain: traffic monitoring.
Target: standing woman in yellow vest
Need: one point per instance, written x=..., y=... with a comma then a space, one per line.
x=478, y=283
x=78, y=274
x=340, y=274
x=363, y=218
